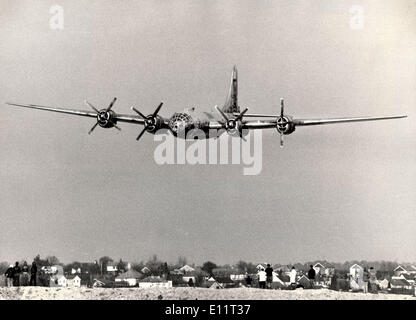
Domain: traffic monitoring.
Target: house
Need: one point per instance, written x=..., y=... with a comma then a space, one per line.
x=405, y=270
x=400, y=284
x=145, y=270
x=131, y=277
x=98, y=284
x=305, y=282
x=57, y=281
x=75, y=271
x=237, y=277
x=383, y=284
x=356, y=277
x=225, y=281
x=261, y=266
x=73, y=281
x=214, y=284
x=155, y=281
x=408, y=277
x=186, y=269
x=319, y=268
x=112, y=267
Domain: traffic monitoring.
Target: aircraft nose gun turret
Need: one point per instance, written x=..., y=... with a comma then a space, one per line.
x=180, y=123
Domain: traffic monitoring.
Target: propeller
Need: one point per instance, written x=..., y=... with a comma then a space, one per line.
x=104, y=116
x=150, y=121
x=232, y=124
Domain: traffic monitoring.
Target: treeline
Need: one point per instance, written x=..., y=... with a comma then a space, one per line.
x=158, y=267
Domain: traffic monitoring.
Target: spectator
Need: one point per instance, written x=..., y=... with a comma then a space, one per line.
x=366, y=278
x=248, y=280
x=262, y=278
x=33, y=273
x=190, y=282
x=9, y=276
x=311, y=275
x=269, y=276
x=16, y=275
x=373, y=281
x=292, y=276
x=24, y=278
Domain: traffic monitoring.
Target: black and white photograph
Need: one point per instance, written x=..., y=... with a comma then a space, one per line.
x=197, y=150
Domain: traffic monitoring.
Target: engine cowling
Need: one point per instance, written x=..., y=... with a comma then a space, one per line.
x=106, y=119
x=285, y=125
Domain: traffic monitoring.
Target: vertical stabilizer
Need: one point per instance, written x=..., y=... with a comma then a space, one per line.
x=231, y=103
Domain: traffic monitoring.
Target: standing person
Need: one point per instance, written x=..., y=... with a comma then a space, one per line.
x=269, y=276
x=16, y=275
x=9, y=276
x=248, y=280
x=311, y=276
x=262, y=279
x=373, y=281
x=33, y=273
x=24, y=279
x=366, y=278
x=292, y=276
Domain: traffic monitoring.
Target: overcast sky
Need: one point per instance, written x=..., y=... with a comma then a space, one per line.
x=337, y=192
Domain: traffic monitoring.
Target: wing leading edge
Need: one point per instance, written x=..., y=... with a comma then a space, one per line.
x=117, y=117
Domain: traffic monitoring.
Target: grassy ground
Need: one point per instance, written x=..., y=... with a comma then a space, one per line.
x=83, y=293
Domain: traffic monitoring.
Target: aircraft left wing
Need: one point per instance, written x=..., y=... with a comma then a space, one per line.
x=116, y=117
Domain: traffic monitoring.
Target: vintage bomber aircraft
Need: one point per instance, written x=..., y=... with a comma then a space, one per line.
x=229, y=117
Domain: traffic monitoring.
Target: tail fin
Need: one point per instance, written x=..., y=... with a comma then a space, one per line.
x=231, y=103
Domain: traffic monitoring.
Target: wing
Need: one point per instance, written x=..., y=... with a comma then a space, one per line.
x=313, y=122
x=266, y=124
x=117, y=117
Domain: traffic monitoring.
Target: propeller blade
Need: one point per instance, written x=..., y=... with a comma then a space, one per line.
x=141, y=133
x=93, y=127
x=138, y=112
x=281, y=140
x=240, y=116
x=91, y=106
x=242, y=137
x=157, y=109
x=115, y=126
x=282, y=106
x=111, y=104
x=222, y=113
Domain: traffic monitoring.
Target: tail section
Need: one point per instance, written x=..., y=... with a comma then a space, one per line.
x=231, y=103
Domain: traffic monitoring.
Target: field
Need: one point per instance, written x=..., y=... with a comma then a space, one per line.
x=83, y=293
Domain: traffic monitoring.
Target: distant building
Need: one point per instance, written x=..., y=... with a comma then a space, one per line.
x=383, y=284
x=405, y=270
x=155, y=281
x=145, y=270
x=131, y=277
x=305, y=282
x=75, y=271
x=186, y=269
x=112, y=267
x=57, y=281
x=400, y=284
x=73, y=281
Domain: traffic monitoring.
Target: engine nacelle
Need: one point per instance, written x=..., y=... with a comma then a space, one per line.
x=106, y=119
x=285, y=125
